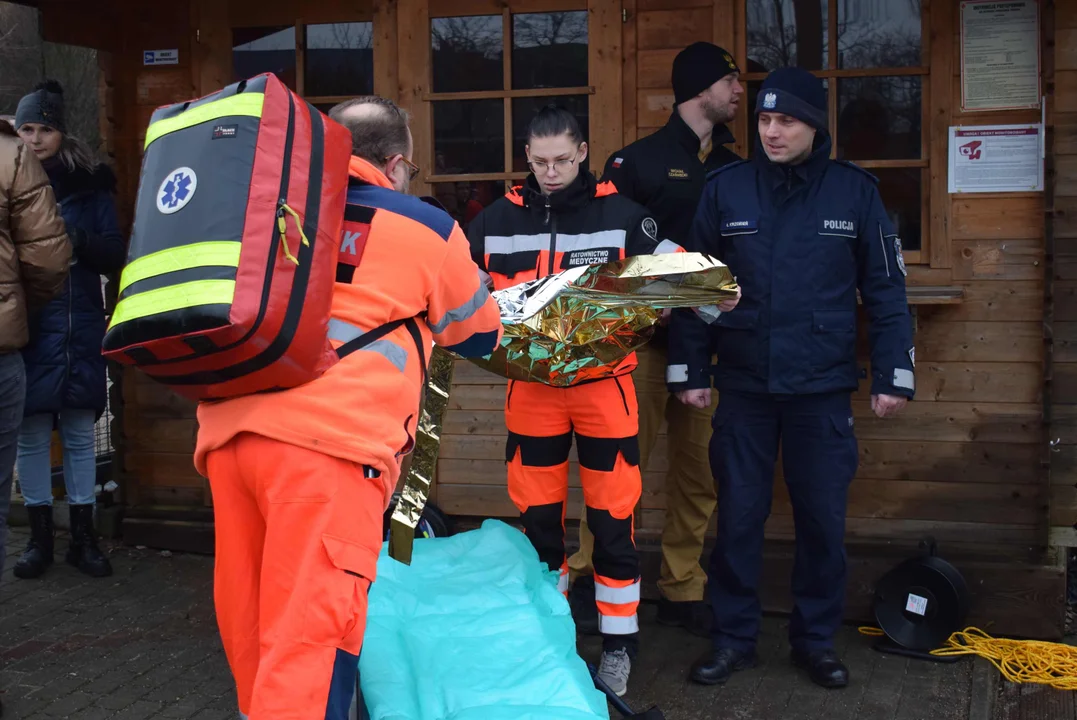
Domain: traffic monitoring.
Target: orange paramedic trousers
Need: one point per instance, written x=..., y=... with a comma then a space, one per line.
x=605, y=419
x=297, y=538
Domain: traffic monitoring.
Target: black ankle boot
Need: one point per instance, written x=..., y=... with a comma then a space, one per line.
x=83, y=552
x=38, y=555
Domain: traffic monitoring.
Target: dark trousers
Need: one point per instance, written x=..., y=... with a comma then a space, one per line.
x=819, y=459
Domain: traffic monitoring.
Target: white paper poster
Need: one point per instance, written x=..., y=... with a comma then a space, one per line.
x=996, y=158
x=1000, y=55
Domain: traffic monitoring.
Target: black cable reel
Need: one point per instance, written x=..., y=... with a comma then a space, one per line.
x=919, y=603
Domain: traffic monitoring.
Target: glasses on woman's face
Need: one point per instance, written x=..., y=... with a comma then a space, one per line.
x=541, y=166
x=413, y=169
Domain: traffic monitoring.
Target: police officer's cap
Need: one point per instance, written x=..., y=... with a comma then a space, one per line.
x=796, y=92
x=699, y=66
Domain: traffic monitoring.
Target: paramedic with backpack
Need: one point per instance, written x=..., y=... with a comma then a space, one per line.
x=562, y=218
x=301, y=477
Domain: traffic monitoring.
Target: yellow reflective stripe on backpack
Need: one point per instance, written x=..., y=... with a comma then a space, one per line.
x=214, y=253
x=175, y=297
x=249, y=104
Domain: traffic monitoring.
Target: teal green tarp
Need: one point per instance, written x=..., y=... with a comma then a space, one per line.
x=473, y=629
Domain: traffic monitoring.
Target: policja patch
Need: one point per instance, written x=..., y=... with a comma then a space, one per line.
x=899, y=256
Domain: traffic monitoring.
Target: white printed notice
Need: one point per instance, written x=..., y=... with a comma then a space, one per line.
x=1000, y=55
x=995, y=158
x=916, y=604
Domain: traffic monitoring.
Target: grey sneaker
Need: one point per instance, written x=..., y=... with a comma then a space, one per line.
x=614, y=670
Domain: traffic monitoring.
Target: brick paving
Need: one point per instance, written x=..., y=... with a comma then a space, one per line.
x=143, y=645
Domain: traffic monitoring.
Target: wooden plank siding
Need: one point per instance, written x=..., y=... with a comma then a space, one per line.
x=1061, y=210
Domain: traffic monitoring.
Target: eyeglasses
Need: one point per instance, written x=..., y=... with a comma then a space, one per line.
x=538, y=166
x=413, y=169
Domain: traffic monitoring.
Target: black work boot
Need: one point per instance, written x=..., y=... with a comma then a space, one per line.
x=38, y=556
x=716, y=666
x=824, y=667
x=83, y=552
x=695, y=616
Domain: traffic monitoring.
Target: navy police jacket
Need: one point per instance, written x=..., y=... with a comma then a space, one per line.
x=801, y=240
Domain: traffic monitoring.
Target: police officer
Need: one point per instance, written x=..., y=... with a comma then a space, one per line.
x=802, y=233
x=666, y=172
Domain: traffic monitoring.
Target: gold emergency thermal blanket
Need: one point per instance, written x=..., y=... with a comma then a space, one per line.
x=581, y=323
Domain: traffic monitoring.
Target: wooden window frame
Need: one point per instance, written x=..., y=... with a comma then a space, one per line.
x=934, y=108
x=299, y=24
x=449, y=8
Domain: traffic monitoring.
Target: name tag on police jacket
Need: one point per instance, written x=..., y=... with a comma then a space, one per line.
x=739, y=227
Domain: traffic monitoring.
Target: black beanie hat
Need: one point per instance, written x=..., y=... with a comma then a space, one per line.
x=697, y=67
x=45, y=105
x=796, y=92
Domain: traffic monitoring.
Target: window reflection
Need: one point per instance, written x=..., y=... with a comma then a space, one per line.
x=523, y=109
x=549, y=50
x=260, y=50
x=882, y=33
x=466, y=199
x=467, y=53
x=469, y=136
x=879, y=118
x=787, y=32
x=339, y=59
x=901, y=193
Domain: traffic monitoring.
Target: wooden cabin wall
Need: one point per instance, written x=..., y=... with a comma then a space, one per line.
x=1062, y=210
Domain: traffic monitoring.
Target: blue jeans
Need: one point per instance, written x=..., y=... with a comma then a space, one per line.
x=12, y=397
x=80, y=462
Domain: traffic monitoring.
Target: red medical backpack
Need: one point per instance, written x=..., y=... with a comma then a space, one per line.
x=233, y=253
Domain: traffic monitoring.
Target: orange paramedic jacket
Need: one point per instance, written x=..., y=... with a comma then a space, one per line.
x=415, y=261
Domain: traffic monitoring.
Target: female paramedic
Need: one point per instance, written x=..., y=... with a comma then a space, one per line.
x=562, y=217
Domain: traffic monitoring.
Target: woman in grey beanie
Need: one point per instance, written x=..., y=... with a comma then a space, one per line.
x=66, y=384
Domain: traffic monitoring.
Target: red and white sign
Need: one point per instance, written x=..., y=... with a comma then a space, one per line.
x=996, y=158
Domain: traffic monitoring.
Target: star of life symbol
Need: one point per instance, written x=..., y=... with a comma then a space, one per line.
x=177, y=190
x=770, y=100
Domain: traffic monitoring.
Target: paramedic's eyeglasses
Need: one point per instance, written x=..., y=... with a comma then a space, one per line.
x=413, y=169
x=558, y=165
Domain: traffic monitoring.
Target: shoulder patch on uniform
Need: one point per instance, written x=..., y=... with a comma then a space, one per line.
x=854, y=166
x=617, y=161
x=650, y=228
x=724, y=168
x=409, y=206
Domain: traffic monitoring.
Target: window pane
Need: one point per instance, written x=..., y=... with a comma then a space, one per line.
x=469, y=136
x=549, y=50
x=787, y=32
x=464, y=200
x=339, y=59
x=879, y=118
x=900, y=190
x=259, y=50
x=468, y=53
x=523, y=109
x=884, y=33
x=752, y=90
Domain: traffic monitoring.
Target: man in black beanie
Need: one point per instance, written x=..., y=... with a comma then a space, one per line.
x=666, y=172
x=802, y=233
